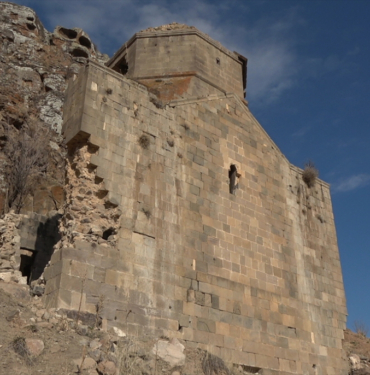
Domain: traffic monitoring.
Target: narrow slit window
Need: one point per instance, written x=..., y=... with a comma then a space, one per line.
x=234, y=176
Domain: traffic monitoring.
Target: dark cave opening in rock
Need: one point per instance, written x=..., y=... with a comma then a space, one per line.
x=85, y=42
x=69, y=33
x=107, y=233
x=79, y=53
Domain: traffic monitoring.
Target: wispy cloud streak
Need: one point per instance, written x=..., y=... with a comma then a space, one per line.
x=352, y=183
x=301, y=132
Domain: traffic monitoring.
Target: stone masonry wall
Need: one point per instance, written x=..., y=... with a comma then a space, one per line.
x=183, y=53
x=254, y=277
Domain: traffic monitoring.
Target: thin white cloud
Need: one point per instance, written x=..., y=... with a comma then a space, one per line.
x=301, y=132
x=272, y=61
x=271, y=70
x=112, y=24
x=352, y=182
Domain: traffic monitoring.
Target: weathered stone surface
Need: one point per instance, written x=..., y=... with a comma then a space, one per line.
x=38, y=290
x=362, y=371
x=95, y=344
x=107, y=368
x=171, y=352
x=34, y=347
x=86, y=363
x=13, y=315
x=78, y=44
x=355, y=362
x=118, y=332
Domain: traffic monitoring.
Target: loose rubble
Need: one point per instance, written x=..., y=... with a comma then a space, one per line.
x=35, y=339
x=357, y=346
x=10, y=246
x=170, y=26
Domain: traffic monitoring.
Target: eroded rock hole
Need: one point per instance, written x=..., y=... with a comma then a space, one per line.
x=91, y=168
x=248, y=369
x=30, y=18
x=92, y=149
x=108, y=205
x=69, y=33
x=85, y=42
x=107, y=233
x=101, y=194
x=31, y=26
x=98, y=180
x=77, y=52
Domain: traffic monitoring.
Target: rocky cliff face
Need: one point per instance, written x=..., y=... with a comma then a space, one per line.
x=34, y=67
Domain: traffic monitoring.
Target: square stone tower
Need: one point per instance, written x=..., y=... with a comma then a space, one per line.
x=187, y=220
x=179, y=62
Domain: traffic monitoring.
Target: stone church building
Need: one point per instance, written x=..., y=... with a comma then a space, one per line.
x=191, y=222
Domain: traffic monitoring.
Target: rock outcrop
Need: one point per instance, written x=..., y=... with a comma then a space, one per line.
x=357, y=347
x=34, y=67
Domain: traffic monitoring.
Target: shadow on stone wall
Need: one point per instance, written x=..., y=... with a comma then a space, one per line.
x=38, y=235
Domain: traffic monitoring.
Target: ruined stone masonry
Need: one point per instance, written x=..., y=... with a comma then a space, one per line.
x=182, y=218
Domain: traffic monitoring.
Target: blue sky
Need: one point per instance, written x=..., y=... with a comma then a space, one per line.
x=308, y=85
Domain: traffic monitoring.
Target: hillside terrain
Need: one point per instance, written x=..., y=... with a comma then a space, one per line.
x=357, y=346
x=35, y=340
